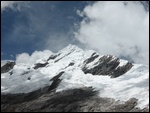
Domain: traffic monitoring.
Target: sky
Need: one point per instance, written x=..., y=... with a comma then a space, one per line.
x=31, y=28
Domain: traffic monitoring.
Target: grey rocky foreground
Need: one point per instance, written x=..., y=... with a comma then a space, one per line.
x=75, y=100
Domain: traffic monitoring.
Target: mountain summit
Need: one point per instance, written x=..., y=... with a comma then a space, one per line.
x=74, y=77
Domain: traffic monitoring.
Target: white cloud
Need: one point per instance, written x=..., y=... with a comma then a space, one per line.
x=26, y=58
x=81, y=14
x=11, y=4
x=5, y=4
x=11, y=55
x=115, y=28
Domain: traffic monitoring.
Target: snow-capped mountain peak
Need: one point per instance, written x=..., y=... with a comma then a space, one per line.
x=72, y=68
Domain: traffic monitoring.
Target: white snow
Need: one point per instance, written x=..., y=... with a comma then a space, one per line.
x=94, y=63
x=122, y=63
x=134, y=83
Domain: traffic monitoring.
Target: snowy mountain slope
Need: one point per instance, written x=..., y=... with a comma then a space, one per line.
x=73, y=61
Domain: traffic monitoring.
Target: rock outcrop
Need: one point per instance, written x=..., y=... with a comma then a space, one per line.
x=105, y=65
x=52, y=57
x=56, y=80
x=7, y=67
x=40, y=65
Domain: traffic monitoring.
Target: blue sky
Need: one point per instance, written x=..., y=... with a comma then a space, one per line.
x=27, y=26
x=118, y=28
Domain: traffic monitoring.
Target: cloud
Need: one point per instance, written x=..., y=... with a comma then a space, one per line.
x=31, y=59
x=12, y=56
x=117, y=28
x=9, y=4
x=41, y=25
x=5, y=4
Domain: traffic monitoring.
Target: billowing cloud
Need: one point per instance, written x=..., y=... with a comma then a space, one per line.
x=31, y=59
x=118, y=28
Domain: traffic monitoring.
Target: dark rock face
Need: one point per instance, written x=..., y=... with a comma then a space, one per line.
x=11, y=72
x=122, y=70
x=53, y=57
x=63, y=57
x=71, y=64
x=106, y=65
x=92, y=58
x=76, y=100
x=39, y=65
x=7, y=67
x=56, y=80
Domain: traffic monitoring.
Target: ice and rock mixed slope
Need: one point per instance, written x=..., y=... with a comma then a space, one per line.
x=73, y=68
